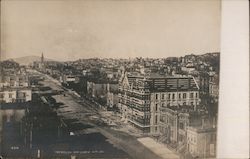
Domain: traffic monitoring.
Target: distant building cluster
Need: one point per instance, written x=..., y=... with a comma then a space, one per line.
x=173, y=99
x=14, y=84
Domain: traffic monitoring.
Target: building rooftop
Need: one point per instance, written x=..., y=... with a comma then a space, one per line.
x=163, y=83
x=23, y=105
x=14, y=88
x=102, y=81
x=200, y=129
x=203, y=123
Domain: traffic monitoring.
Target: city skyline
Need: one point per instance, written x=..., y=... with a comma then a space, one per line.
x=114, y=29
x=38, y=58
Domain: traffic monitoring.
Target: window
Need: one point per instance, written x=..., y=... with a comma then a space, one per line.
x=10, y=95
x=156, y=107
x=1, y=95
x=162, y=96
x=156, y=119
x=169, y=96
x=191, y=95
x=156, y=96
x=171, y=121
x=196, y=95
x=181, y=126
x=212, y=149
x=179, y=95
x=184, y=95
x=173, y=96
x=181, y=138
x=162, y=119
x=23, y=95
x=213, y=138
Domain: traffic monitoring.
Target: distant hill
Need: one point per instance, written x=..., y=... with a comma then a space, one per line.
x=26, y=60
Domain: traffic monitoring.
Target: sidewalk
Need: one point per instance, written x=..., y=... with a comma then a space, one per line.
x=158, y=148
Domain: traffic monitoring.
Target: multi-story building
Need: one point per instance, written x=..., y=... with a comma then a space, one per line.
x=100, y=88
x=15, y=80
x=141, y=97
x=14, y=87
x=40, y=65
x=214, y=85
x=69, y=78
x=174, y=122
x=203, y=82
x=201, y=141
x=112, y=99
x=13, y=95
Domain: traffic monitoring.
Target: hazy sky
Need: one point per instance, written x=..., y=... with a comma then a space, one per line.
x=72, y=29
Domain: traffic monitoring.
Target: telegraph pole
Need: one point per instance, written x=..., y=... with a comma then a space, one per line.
x=31, y=135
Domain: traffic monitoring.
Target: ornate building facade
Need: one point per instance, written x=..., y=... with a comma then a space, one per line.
x=141, y=98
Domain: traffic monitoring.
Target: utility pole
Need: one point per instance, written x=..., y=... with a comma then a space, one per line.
x=31, y=135
x=204, y=147
x=1, y=134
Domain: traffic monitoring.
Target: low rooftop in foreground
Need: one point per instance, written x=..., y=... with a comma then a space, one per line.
x=22, y=105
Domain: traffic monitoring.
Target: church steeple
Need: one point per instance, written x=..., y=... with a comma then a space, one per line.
x=42, y=58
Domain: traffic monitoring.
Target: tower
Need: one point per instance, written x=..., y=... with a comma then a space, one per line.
x=42, y=58
x=41, y=64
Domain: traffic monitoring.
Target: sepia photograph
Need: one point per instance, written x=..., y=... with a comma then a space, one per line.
x=109, y=79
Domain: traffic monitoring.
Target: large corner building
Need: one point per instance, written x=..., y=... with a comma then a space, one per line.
x=141, y=98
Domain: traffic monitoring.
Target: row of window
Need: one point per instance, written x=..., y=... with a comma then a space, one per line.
x=209, y=138
x=173, y=104
x=180, y=95
x=10, y=95
x=13, y=101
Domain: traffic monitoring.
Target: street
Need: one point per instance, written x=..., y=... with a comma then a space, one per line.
x=87, y=113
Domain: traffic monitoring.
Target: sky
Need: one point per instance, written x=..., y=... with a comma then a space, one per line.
x=73, y=29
